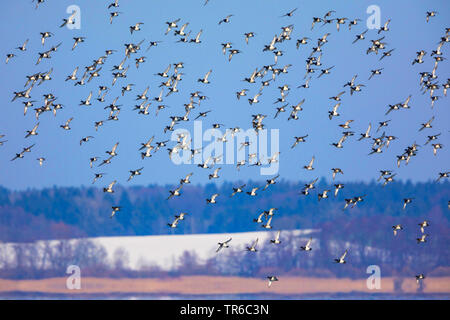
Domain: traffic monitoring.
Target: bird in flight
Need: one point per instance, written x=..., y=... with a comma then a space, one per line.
x=290, y=13
x=307, y=246
x=224, y=244
x=252, y=248
x=226, y=19
x=271, y=280
x=342, y=258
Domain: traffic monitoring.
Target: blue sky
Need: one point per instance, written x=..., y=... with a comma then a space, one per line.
x=67, y=164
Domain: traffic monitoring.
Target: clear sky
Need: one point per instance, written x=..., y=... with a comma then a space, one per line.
x=67, y=164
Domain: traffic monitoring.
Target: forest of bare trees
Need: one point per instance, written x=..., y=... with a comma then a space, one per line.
x=28, y=217
x=395, y=256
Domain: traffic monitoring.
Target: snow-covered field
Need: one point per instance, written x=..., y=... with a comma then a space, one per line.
x=164, y=251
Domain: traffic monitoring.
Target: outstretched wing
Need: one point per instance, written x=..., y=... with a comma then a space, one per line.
x=115, y=147
x=277, y=237
x=197, y=38
x=207, y=74
x=112, y=184
x=368, y=129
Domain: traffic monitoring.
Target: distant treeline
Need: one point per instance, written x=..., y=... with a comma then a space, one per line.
x=62, y=213
x=400, y=256
x=366, y=229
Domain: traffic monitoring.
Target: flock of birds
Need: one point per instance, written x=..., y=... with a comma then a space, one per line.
x=267, y=75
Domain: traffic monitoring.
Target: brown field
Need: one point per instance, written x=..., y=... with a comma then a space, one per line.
x=201, y=285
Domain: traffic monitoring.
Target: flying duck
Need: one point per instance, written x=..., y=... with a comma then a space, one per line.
x=97, y=176
x=214, y=175
x=406, y=201
x=420, y=277
x=333, y=112
x=277, y=238
x=375, y=72
x=115, y=209
x=252, y=192
x=436, y=146
x=181, y=215
x=423, y=224
x=336, y=171
x=45, y=35
x=307, y=247
x=226, y=19
x=310, y=164
x=224, y=244
x=384, y=27
x=270, y=181
x=113, y=152
x=271, y=279
x=114, y=4
x=238, y=190
x=41, y=161
x=85, y=139
x=337, y=187
x=66, y=125
x=171, y=25
x=109, y=188
x=427, y=124
x=396, y=228
x=33, y=131
x=112, y=15
x=77, y=41
x=267, y=225
x=213, y=198
x=205, y=78
x=136, y=172
x=341, y=259
x=174, y=223
x=175, y=193
x=136, y=27
x=197, y=37
x=431, y=14
x=252, y=248
x=422, y=238
x=323, y=195
x=248, y=35
x=86, y=102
